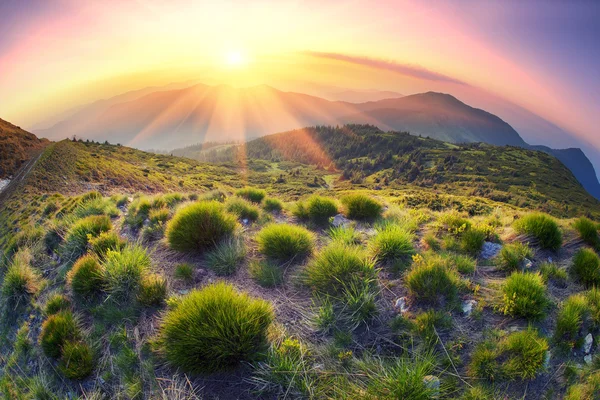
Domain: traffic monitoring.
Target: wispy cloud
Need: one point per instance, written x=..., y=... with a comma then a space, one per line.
x=404, y=69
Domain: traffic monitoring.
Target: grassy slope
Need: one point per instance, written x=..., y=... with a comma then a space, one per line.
x=16, y=147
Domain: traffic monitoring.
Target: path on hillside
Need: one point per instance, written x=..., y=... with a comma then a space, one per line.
x=19, y=177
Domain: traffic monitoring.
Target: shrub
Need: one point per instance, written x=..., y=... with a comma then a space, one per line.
x=588, y=231
x=252, y=194
x=184, y=272
x=336, y=267
x=317, y=209
x=57, y=330
x=345, y=235
x=284, y=242
x=432, y=282
x=214, y=328
x=543, y=227
x=57, y=303
x=106, y=241
x=79, y=234
x=153, y=290
x=199, y=226
x=20, y=280
x=361, y=207
x=513, y=255
x=393, y=245
x=243, y=209
x=471, y=241
x=266, y=273
x=570, y=320
x=77, y=360
x=524, y=295
x=586, y=267
x=123, y=271
x=86, y=276
x=225, y=259
x=272, y=205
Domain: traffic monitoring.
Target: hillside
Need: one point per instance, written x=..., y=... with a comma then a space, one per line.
x=128, y=275
x=16, y=147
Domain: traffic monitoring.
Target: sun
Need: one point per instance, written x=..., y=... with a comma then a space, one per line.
x=235, y=58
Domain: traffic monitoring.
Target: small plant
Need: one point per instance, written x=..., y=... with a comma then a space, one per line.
x=106, y=241
x=586, y=267
x=271, y=204
x=20, y=280
x=77, y=360
x=214, y=328
x=252, y=194
x=524, y=295
x=463, y=264
x=543, y=227
x=285, y=242
x=570, y=320
x=153, y=290
x=431, y=242
x=184, y=271
x=123, y=271
x=316, y=209
x=86, y=276
x=57, y=303
x=266, y=273
x=551, y=272
x=199, y=226
x=430, y=322
x=588, y=231
x=225, y=259
x=78, y=236
x=361, y=207
x=57, y=330
x=513, y=255
x=345, y=235
x=243, y=209
x=325, y=316
x=471, y=241
x=431, y=281
x=393, y=245
x=158, y=216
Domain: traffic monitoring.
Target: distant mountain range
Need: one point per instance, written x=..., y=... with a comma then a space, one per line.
x=175, y=118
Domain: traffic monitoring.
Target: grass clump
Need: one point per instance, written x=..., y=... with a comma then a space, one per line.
x=543, y=227
x=271, y=204
x=519, y=355
x=586, y=267
x=124, y=270
x=251, y=194
x=392, y=245
x=214, y=328
x=20, y=280
x=513, y=255
x=243, y=209
x=361, y=207
x=82, y=231
x=571, y=319
x=524, y=295
x=77, y=360
x=431, y=281
x=344, y=234
x=57, y=330
x=199, y=226
x=184, y=271
x=588, y=231
x=471, y=241
x=106, y=241
x=86, y=276
x=551, y=272
x=56, y=303
x=317, y=209
x=285, y=242
x=225, y=259
x=266, y=273
x=153, y=290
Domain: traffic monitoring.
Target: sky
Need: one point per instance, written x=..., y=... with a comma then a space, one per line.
x=539, y=55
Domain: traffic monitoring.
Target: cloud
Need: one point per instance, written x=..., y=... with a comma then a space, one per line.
x=404, y=69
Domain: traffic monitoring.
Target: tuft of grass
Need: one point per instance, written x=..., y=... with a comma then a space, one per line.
x=513, y=255
x=588, y=231
x=271, y=204
x=543, y=227
x=471, y=241
x=199, y=226
x=344, y=234
x=431, y=242
x=86, y=276
x=184, y=271
x=524, y=295
x=427, y=323
x=96, y=206
x=56, y=303
x=214, y=328
x=153, y=290
x=551, y=272
x=225, y=259
x=317, y=209
x=393, y=245
x=57, y=330
x=78, y=236
x=123, y=271
x=242, y=208
x=20, y=280
x=361, y=207
x=285, y=242
x=251, y=194
x=266, y=273
x=77, y=360
x=586, y=267
x=106, y=241
x=570, y=320
x=431, y=281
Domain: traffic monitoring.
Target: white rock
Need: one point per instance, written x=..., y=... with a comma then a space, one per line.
x=340, y=220
x=550, y=260
x=588, y=359
x=245, y=221
x=527, y=264
x=490, y=250
x=401, y=304
x=547, y=357
x=467, y=307
x=587, y=343
x=432, y=383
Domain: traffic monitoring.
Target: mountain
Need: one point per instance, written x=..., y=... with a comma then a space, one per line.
x=168, y=119
x=360, y=96
x=16, y=147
